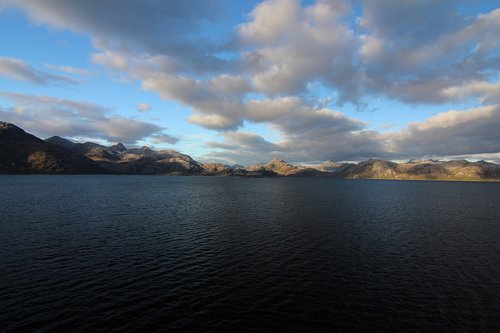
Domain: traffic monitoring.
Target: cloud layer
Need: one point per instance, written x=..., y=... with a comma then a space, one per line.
x=276, y=66
x=46, y=116
x=327, y=135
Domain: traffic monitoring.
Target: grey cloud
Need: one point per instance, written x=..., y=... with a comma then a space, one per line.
x=164, y=138
x=58, y=106
x=46, y=116
x=247, y=140
x=270, y=109
x=221, y=145
x=126, y=130
x=17, y=69
x=321, y=134
x=415, y=69
x=229, y=85
x=317, y=122
x=215, y=121
x=403, y=20
x=145, y=22
x=445, y=90
x=471, y=131
x=490, y=157
x=216, y=103
x=159, y=27
x=306, y=134
x=187, y=90
x=243, y=148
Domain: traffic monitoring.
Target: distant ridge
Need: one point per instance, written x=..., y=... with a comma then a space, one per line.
x=22, y=153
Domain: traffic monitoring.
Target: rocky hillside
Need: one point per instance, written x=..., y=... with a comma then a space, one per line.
x=421, y=170
x=21, y=152
x=120, y=159
x=378, y=169
x=216, y=169
x=277, y=167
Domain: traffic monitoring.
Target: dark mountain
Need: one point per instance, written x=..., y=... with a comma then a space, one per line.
x=118, y=147
x=21, y=152
x=80, y=148
x=58, y=141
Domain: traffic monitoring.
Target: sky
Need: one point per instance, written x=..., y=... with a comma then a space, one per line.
x=246, y=81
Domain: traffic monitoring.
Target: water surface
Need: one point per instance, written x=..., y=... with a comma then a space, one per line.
x=128, y=253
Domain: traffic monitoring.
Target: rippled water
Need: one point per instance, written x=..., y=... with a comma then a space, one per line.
x=128, y=253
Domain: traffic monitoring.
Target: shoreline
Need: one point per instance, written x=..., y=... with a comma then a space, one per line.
x=486, y=180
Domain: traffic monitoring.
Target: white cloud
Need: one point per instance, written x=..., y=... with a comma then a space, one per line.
x=293, y=46
x=486, y=92
x=110, y=59
x=270, y=20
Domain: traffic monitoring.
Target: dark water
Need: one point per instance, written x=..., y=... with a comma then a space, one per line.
x=129, y=253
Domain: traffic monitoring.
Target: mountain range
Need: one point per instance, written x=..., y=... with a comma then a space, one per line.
x=23, y=153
